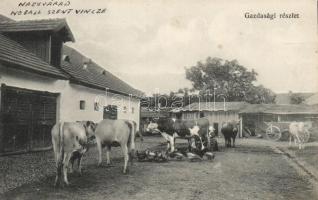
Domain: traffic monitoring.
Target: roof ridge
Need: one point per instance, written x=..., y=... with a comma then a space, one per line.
x=33, y=20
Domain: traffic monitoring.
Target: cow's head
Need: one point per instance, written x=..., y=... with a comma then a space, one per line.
x=211, y=132
x=90, y=128
x=194, y=130
x=152, y=127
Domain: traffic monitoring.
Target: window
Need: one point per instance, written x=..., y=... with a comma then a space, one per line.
x=201, y=114
x=82, y=105
x=124, y=109
x=110, y=112
x=190, y=115
x=96, y=106
x=133, y=110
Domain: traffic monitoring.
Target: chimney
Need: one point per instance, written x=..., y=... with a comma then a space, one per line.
x=66, y=58
x=85, y=66
x=86, y=62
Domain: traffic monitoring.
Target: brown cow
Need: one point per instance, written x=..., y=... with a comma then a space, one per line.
x=229, y=131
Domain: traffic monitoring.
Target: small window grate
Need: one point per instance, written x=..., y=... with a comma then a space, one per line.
x=82, y=105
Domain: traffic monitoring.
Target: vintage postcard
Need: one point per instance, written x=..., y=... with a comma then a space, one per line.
x=165, y=99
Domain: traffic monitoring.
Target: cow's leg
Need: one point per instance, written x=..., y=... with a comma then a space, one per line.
x=131, y=158
x=233, y=142
x=168, y=145
x=126, y=156
x=298, y=140
x=59, y=166
x=202, y=145
x=172, y=140
x=131, y=155
x=65, y=167
x=79, y=164
x=290, y=138
x=71, y=165
x=108, y=147
x=99, y=148
x=208, y=145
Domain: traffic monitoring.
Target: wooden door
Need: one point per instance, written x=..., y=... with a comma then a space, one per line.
x=27, y=118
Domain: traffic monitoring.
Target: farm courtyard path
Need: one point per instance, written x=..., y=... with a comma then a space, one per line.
x=252, y=170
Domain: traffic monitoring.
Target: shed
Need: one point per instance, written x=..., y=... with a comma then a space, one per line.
x=148, y=114
x=216, y=112
x=255, y=116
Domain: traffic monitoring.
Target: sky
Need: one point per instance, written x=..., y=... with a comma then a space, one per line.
x=148, y=43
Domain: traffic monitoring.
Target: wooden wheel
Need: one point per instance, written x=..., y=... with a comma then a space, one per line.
x=273, y=133
x=306, y=136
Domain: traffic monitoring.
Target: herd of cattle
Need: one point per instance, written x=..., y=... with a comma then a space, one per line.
x=71, y=139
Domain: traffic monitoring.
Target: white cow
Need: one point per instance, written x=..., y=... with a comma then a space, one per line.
x=116, y=133
x=69, y=138
x=299, y=132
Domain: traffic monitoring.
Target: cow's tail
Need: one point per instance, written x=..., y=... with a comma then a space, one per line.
x=59, y=152
x=138, y=132
x=61, y=146
x=131, y=139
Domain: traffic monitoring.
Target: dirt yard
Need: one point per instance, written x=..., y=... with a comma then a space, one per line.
x=252, y=170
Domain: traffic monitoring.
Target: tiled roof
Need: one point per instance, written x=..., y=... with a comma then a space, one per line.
x=284, y=98
x=313, y=100
x=280, y=109
x=5, y=19
x=12, y=53
x=98, y=80
x=209, y=106
x=94, y=74
x=37, y=25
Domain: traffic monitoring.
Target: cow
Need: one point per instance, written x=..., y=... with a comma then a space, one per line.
x=137, y=132
x=229, y=131
x=69, y=139
x=299, y=132
x=171, y=128
x=121, y=133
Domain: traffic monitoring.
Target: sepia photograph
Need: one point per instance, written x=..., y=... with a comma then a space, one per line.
x=159, y=99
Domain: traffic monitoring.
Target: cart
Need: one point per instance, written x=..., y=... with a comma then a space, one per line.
x=275, y=130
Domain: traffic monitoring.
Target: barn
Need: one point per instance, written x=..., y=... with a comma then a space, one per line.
x=216, y=112
x=41, y=84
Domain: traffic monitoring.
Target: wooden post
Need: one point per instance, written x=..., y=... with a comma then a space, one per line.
x=2, y=98
x=241, y=126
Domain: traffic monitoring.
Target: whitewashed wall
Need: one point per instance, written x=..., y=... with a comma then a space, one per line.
x=214, y=116
x=68, y=103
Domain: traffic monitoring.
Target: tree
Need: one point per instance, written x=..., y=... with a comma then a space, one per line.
x=229, y=80
x=296, y=98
